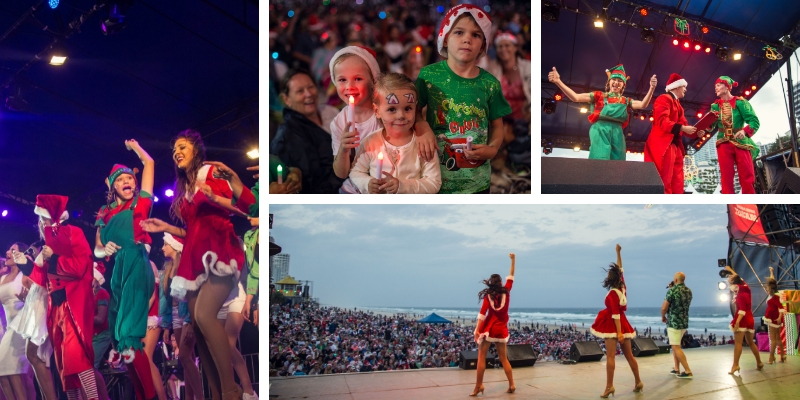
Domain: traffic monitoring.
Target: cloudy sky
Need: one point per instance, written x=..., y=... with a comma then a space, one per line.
x=436, y=255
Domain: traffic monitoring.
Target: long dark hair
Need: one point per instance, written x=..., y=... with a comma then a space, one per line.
x=494, y=287
x=613, y=277
x=185, y=179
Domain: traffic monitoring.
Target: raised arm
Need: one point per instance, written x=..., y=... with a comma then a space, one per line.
x=646, y=101
x=513, y=258
x=554, y=77
x=619, y=256
x=771, y=273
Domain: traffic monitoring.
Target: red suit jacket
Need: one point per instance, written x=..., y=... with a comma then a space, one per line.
x=70, y=268
x=667, y=120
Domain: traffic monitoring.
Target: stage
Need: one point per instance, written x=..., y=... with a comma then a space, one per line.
x=556, y=381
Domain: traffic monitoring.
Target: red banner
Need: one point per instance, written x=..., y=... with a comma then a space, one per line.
x=745, y=223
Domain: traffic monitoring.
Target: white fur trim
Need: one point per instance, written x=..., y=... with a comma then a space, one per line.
x=623, y=301
x=153, y=321
x=615, y=316
x=41, y=212
x=481, y=317
x=481, y=18
x=39, y=260
x=181, y=285
x=502, y=303
x=172, y=242
x=371, y=62
x=495, y=340
x=202, y=173
x=100, y=252
x=771, y=323
x=741, y=312
x=676, y=84
x=505, y=36
x=147, y=247
x=612, y=335
x=128, y=356
x=741, y=329
x=510, y=278
x=98, y=276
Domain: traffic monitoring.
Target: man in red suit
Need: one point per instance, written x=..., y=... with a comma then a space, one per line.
x=64, y=267
x=664, y=146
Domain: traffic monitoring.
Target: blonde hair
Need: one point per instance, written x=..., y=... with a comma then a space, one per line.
x=345, y=56
x=389, y=82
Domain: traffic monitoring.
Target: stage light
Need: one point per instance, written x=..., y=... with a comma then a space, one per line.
x=641, y=117
x=53, y=4
x=549, y=106
x=547, y=150
x=4, y=213
x=697, y=46
x=558, y=97
x=598, y=23
x=747, y=92
x=274, y=55
x=704, y=29
x=753, y=87
x=253, y=154
x=169, y=193
x=722, y=53
x=723, y=297
x=116, y=20
x=291, y=13
x=722, y=285
x=675, y=42
x=737, y=56
x=686, y=44
x=651, y=118
x=708, y=49
x=575, y=149
x=58, y=54
x=643, y=11
x=440, y=9
x=647, y=35
x=382, y=15
x=155, y=199
x=550, y=12
x=584, y=110
x=699, y=115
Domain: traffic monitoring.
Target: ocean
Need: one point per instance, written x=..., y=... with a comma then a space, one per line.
x=714, y=319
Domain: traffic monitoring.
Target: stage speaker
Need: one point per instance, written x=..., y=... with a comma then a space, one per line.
x=583, y=176
x=790, y=181
x=643, y=346
x=663, y=348
x=469, y=360
x=520, y=355
x=585, y=351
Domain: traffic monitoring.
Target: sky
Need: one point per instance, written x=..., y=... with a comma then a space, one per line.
x=437, y=255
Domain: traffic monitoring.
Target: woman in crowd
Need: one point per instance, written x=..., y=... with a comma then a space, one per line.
x=742, y=325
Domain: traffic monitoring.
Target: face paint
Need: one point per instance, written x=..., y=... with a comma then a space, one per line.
x=392, y=99
x=410, y=97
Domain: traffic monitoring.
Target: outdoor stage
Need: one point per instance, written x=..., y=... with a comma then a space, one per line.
x=556, y=381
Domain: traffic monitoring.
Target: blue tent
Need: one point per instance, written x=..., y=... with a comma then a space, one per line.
x=434, y=319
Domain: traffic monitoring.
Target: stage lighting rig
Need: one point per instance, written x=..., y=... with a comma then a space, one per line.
x=550, y=12
x=722, y=53
x=549, y=106
x=57, y=54
x=648, y=35
x=116, y=20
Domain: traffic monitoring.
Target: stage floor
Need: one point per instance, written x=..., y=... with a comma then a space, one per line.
x=710, y=367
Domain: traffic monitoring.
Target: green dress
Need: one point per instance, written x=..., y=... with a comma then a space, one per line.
x=132, y=281
x=606, y=136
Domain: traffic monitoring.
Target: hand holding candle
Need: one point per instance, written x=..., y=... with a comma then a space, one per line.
x=280, y=175
x=469, y=143
x=379, y=175
x=350, y=110
x=418, y=50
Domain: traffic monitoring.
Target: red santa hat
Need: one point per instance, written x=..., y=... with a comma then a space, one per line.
x=366, y=54
x=504, y=36
x=675, y=81
x=99, y=271
x=48, y=205
x=483, y=20
x=174, y=242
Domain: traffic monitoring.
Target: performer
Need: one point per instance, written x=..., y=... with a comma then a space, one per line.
x=734, y=143
x=153, y=334
x=65, y=267
x=612, y=325
x=132, y=280
x=609, y=112
x=212, y=258
x=13, y=363
x=101, y=337
x=676, y=304
x=493, y=327
x=664, y=146
x=773, y=317
x=742, y=325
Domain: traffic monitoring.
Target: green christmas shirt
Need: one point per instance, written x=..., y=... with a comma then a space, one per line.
x=679, y=298
x=459, y=107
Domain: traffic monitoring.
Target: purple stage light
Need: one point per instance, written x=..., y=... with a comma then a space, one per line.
x=169, y=193
x=5, y=212
x=155, y=199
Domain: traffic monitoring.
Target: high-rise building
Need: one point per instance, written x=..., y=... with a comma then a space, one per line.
x=708, y=152
x=763, y=149
x=279, y=265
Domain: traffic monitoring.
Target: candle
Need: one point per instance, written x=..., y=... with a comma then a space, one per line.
x=380, y=166
x=280, y=175
x=350, y=110
x=469, y=143
x=418, y=49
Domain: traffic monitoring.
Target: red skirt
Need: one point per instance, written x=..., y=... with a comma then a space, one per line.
x=604, y=326
x=494, y=330
x=745, y=325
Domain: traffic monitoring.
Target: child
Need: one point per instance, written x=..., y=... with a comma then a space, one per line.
x=403, y=170
x=465, y=103
x=354, y=70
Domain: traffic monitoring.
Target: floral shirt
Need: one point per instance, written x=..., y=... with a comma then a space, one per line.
x=679, y=298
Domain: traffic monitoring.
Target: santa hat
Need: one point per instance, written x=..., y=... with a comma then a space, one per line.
x=364, y=53
x=117, y=170
x=675, y=81
x=48, y=205
x=617, y=72
x=504, y=36
x=727, y=81
x=174, y=242
x=480, y=17
x=99, y=270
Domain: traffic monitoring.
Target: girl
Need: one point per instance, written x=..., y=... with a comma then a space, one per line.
x=743, y=325
x=13, y=363
x=612, y=325
x=774, y=319
x=493, y=327
x=403, y=171
x=353, y=71
x=212, y=258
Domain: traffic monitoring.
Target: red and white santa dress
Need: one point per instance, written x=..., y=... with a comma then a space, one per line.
x=495, y=323
x=153, y=319
x=616, y=305
x=773, y=317
x=743, y=307
x=210, y=245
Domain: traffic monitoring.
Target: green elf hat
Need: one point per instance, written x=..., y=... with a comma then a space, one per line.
x=617, y=72
x=117, y=170
x=727, y=81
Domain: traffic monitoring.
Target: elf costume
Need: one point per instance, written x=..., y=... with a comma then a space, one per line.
x=733, y=114
x=609, y=115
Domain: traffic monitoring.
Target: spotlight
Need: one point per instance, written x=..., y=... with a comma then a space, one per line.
x=722, y=53
x=584, y=110
x=53, y=4
x=704, y=29
x=753, y=87
x=253, y=154
x=648, y=36
x=4, y=213
x=675, y=42
x=116, y=20
x=598, y=23
x=708, y=49
x=547, y=150
x=155, y=199
x=550, y=12
x=699, y=115
x=641, y=117
x=169, y=193
x=558, y=97
x=737, y=56
x=575, y=149
x=643, y=11
x=651, y=118
x=722, y=285
x=697, y=46
x=58, y=54
x=723, y=297
x=747, y=92
x=549, y=106
x=686, y=44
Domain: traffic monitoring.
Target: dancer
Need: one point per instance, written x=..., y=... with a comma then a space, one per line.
x=212, y=258
x=119, y=235
x=153, y=334
x=493, y=327
x=609, y=112
x=612, y=325
x=676, y=304
x=102, y=336
x=742, y=325
x=773, y=317
x=664, y=146
x=65, y=267
x=231, y=318
x=13, y=362
x=734, y=143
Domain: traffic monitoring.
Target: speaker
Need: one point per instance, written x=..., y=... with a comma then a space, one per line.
x=520, y=355
x=790, y=181
x=585, y=351
x=469, y=360
x=643, y=346
x=583, y=176
x=663, y=348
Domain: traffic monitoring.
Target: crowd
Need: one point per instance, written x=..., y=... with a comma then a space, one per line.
x=308, y=96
